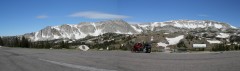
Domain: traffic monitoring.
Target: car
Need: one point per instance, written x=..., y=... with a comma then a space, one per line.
x=142, y=48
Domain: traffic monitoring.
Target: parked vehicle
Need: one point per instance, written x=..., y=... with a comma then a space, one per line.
x=142, y=48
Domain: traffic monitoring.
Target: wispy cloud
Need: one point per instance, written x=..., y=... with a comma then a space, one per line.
x=203, y=15
x=98, y=15
x=42, y=16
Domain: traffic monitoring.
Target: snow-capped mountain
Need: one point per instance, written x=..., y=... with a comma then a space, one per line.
x=183, y=24
x=84, y=29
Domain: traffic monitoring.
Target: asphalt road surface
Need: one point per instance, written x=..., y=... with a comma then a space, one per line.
x=22, y=59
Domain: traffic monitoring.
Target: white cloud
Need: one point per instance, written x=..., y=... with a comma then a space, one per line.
x=98, y=15
x=42, y=16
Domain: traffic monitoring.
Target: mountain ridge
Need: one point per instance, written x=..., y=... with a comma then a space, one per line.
x=83, y=29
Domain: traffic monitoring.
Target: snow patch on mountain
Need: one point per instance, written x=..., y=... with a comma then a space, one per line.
x=175, y=40
x=56, y=27
x=143, y=25
x=56, y=36
x=223, y=35
x=234, y=27
x=180, y=25
x=153, y=25
x=165, y=33
x=218, y=26
x=135, y=28
x=118, y=32
x=97, y=32
x=162, y=44
x=171, y=41
x=214, y=41
x=163, y=24
x=151, y=38
x=130, y=33
x=35, y=36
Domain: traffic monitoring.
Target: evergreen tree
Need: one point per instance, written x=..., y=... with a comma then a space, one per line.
x=1, y=42
x=47, y=44
x=24, y=42
x=64, y=45
x=189, y=37
x=31, y=45
x=181, y=44
x=16, y=42
x=40, y=44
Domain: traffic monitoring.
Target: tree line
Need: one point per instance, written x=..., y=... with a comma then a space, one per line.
x=233, y=45
x=24, y=42
x=14, y=41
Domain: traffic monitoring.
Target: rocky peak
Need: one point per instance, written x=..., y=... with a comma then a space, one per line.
x=82, y=30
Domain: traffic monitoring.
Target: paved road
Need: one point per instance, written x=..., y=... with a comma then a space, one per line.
x=21, y=59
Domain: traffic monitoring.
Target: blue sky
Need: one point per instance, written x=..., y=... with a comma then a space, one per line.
x=24, y=16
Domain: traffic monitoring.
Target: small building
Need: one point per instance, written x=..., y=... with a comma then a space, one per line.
x=199, y=45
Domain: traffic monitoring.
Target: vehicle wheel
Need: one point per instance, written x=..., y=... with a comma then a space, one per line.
x=132, y=50
x=148, y=51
